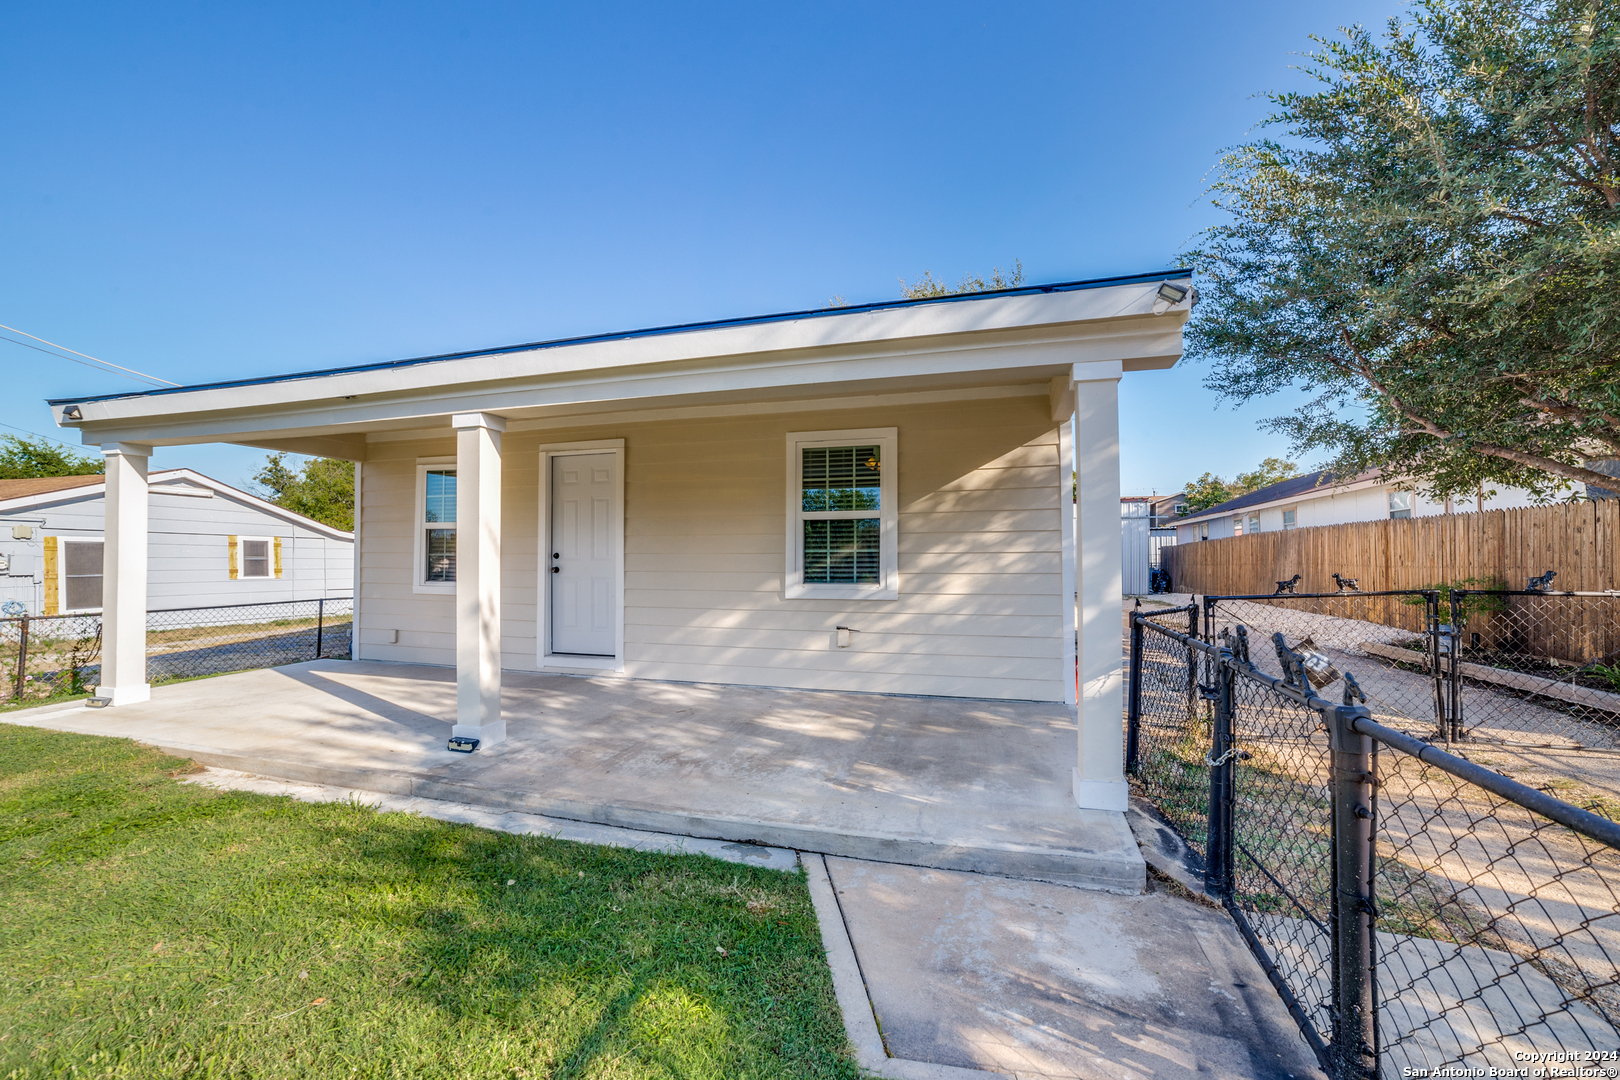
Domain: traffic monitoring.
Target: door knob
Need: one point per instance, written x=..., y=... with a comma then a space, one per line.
x=556, y=569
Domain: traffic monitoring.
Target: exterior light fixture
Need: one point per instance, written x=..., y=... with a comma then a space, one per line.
x=72, y=413
x=1172, y=294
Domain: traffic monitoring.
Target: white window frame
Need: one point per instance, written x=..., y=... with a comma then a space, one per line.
x=419, y=582
x=888, y=585
x=269, y=558
x=61, y=573
x=548, y=660
x=1252, y=520
x=1410, y=500
x=1294, y=510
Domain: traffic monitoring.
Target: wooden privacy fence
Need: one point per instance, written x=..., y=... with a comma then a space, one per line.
x=1497, y=548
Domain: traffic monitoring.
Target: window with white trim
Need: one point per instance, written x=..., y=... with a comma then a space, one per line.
x=1290, y=517
x=1253, y=526
x=1400, y=504
x=843, y=524
x=255, y=553
x=81, y=574
x=435, y=544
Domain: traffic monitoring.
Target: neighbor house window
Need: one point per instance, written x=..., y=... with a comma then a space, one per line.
x=81, y=574
x=843, y=528
x=1290, y=518
x=1254, y=524
x=255, y=556
x=1203, y=530
x=1400, y=504
x=436, y=526
x=1237, y=525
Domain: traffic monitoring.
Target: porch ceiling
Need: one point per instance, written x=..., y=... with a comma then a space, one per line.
x=1009, y=342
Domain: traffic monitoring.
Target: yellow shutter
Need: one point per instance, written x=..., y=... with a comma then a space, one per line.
x=278, y=556
x=231, y=542
x=50, y=575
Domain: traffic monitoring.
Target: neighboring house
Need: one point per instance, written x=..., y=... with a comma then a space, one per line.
x=870, y=498
x=208, y=544
x=1315, y=499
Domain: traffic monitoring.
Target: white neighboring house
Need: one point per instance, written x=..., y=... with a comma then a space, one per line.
x=1314, y=499
x=209, y=545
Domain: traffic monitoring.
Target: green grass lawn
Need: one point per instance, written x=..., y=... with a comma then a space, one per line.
x=150, y=928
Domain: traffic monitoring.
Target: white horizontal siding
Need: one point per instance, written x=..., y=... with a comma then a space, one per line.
x=980, y=556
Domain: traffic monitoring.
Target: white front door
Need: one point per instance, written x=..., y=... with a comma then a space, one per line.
x=584, y=564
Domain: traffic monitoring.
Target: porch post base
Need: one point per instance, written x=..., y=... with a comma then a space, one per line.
x=125, y=695
x=1101, y=794
x=487, y=734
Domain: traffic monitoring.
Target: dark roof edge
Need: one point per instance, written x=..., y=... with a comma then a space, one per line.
x=1294, y=485
x=678, y=328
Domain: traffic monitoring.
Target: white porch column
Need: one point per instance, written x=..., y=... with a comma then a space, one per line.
x=1099, y=776
x=478, y=577
x=123, y=577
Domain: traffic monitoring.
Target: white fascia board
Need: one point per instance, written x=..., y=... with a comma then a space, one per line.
x=157, y=480
x=1055, y=328
x=1323, y=492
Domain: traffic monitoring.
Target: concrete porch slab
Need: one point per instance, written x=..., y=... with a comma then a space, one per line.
x=949, y=783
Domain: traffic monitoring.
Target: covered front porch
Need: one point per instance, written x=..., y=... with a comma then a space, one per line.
x=951, y=783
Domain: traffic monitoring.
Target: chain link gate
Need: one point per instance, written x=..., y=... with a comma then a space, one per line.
x=1414, y=910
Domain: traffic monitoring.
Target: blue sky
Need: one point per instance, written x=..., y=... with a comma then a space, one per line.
x=210, y=191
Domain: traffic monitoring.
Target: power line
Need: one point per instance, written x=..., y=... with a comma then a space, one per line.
x=81, y=363
x=87, y=356
x=47, y=438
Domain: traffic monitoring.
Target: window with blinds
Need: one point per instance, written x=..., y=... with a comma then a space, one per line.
x=842, y=522
x=842, y=495
x=437, y=529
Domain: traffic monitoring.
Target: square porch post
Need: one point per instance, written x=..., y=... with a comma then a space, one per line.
x=123, y=576
x=478, y=577
x=1099, y=776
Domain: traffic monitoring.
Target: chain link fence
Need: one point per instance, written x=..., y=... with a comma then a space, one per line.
x=1416, y=911
x=47, y=657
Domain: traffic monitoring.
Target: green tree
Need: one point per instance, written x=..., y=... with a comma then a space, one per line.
x=1210, y=490
x=931, y=286
x=322, y=489
x=22, y=459
x=1429, y=249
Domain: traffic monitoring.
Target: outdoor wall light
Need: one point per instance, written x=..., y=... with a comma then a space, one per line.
x=72, y=413
x=1172, y=294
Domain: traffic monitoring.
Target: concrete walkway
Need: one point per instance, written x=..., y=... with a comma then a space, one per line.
x=950, y=783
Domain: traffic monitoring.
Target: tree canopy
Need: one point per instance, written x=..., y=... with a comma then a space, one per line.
x=322, y=489
x=24, y=459
x=930, y=286
x=1210, y=490
x=1429, y=247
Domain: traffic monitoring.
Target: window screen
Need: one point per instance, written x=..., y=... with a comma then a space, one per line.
x=441, y=556
x=255, y=558
x=840, y=485
x=81, y=576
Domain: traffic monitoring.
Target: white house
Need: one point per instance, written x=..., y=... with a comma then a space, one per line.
x=1315, y=499
x=870, y=498
x=208, y=544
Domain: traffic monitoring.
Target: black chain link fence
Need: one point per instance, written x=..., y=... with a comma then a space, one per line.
x=1415, y=910
x=47, y=657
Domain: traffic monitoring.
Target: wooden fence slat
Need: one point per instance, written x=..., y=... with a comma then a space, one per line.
x=1578, y=540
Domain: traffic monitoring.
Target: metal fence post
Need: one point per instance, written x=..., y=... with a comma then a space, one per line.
x=1192, y=661
x=320, y=623
x=1133, y=706
x=1437, y=674
x=1218, y=849
x=22, y=656
x=1459, y=602
x=1354, y=1018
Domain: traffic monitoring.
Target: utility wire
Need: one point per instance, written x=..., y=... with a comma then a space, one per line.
x=87, y=356
x=81, y=363
x=47, y=438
